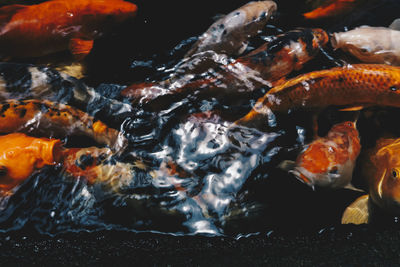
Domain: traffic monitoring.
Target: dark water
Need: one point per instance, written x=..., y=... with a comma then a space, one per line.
x=228, y=181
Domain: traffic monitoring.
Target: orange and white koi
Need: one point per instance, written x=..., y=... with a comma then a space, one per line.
x=329, y=161
x=58, y=25
x=352, y=86
x=370, y=44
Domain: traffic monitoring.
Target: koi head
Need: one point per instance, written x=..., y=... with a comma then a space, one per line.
x=385, y=177
x=86, y=162
x=20, y=155
x=321, y=37
x=329, y=161
x=368, y=44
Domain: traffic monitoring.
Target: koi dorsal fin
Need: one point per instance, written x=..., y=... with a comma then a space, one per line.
x=395, y=25
x=7, y=12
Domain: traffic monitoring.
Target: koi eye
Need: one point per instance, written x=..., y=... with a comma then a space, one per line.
x=3, y=171
x=395, y=173
x=334, y=170
x=364, y=50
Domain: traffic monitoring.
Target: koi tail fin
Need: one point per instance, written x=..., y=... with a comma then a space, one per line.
x=358, y=212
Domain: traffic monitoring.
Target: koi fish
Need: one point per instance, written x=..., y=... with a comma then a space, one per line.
x=26, y=81
x=20, y=155
x=352, y=86
x=332, y=8
x=49, y=118
x=370, y=44
x=229, y=34
x=261, y=67
x=58, y=25
x=381, y=169
x=329, y=161
x=286, y=53
x=99, y=165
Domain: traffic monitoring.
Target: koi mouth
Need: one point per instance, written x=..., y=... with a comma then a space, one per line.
x=303, y=178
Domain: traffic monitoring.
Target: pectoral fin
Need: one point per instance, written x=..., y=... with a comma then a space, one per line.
x=80, y=48
x=287, y=165
x=357, y=108
x=357, y=212
x=351, y=187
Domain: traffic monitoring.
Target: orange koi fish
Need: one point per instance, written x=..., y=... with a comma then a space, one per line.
x=58, y=25
x=329, y=161
x=229, y=34
x=48, y=118
x=263, y=66
x=351, y=85
x=381, y=169
x=331, y=8
x=370, y=44
x=20, y=155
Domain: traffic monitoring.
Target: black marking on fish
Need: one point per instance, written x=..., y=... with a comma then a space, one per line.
x=4, y=108
x=17, y=77
x=22, y=112
x=85, y=161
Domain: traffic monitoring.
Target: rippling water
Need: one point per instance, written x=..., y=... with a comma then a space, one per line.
x=204, y=175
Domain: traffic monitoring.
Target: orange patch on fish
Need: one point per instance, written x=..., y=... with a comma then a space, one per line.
x=316, y=158
x=20, y=155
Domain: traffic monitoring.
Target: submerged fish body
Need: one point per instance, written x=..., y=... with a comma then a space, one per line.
x=332, y=8
x=53, y=119
x=57, y=25
x=370, y=44
x=21, y=155
x=329, y=161
x=25, y=81
x=261, y=67
x=287, y=52
x=351, y=85
x=230, y=33
x=99, y=165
